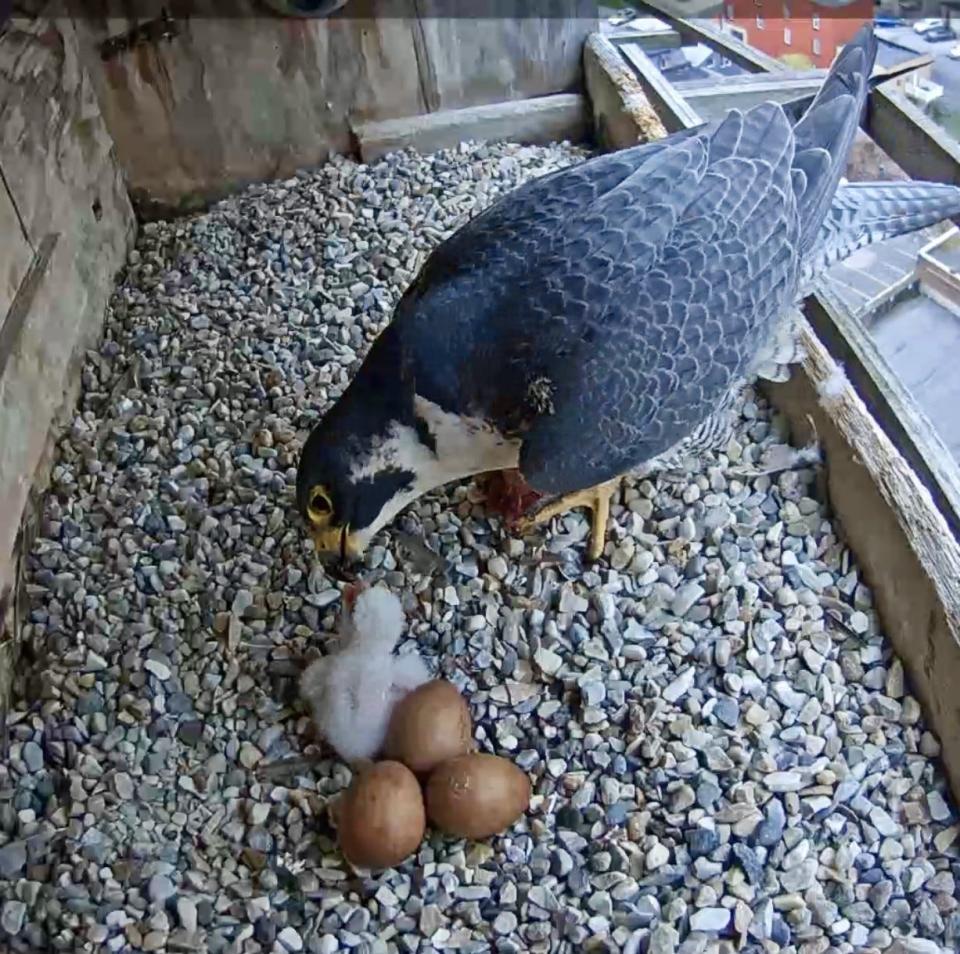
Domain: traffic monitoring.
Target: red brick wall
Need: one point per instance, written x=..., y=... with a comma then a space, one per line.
x=814, y=32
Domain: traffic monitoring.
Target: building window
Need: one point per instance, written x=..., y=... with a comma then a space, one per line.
x=786, y=11
x=787, y=36
x=759, y=23
x=816, y=46
x=729, y=11
x=738, y=33
x=816, y=22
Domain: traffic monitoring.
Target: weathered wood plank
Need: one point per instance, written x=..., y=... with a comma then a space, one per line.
x=23, y=301
x=55, y=151
x=906, y=425
x=15, y=252
x=536, y=121
x=762, y=80
x=243, y=97
x=714, y=101
x=622, y=113
x=62, y=177
x=239, y=99
x=647, y=40
x=478, y=60
x=785, y=77
x=670, y=106
x=913, y=140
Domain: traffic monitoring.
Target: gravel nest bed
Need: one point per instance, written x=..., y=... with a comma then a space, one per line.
x=724, y=752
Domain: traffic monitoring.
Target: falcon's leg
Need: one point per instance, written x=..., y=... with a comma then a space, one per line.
x=596, y=498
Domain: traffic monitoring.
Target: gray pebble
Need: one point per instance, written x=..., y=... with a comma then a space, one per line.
x=727, y=651
x=710, y=920
x=160, y=889
x=13, y=857
x=12, y=916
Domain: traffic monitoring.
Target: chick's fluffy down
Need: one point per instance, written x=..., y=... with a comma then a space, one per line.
x=353, y=692
x=377, y=619
x=353, y=695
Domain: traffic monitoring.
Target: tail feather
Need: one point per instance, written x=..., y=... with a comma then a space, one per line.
x=795, y=108
x=826, y=132
x=866, y=212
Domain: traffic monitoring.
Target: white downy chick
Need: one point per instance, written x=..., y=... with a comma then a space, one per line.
x=353, y=691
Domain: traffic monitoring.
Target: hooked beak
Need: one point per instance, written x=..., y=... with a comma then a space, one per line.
x=337, y=548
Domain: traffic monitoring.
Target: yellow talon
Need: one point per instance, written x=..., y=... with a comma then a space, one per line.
x=597, y=499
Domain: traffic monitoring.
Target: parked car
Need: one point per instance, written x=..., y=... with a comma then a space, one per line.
x=939, y=34
x=954, y=52
x=927, y=23
x=884, y=20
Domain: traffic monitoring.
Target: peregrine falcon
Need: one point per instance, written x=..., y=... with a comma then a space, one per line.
x=604, y=317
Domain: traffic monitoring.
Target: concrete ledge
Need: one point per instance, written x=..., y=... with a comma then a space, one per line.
x=532, y=121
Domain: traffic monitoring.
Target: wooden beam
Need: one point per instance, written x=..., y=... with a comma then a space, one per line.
x=541, y=120
x=787, y=78
x=701, y=31
x=889, y=402
x=919, y=62
x=647, y=39
x=672, y=108
x=622, y=114
x=911, y=139
x=714, y=101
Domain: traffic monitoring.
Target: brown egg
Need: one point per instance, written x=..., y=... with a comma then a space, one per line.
x=381, y=819
x=429, y=725
x=476, y=796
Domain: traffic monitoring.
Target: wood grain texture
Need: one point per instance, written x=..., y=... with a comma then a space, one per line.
x=907, y=426
x=622, y=113
x=61, y=178
x=15, y=252
x=475, y=61
x=231, y=101
x=913, y=140
x=669, y=105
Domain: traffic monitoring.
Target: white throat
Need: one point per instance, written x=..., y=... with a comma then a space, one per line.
x=464, y=446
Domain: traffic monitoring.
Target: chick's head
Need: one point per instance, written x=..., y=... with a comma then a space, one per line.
x=377, y=619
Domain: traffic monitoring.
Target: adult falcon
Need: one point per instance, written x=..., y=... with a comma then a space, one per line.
x=604, y=317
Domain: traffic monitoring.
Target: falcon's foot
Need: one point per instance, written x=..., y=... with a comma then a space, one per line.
x=596, y=498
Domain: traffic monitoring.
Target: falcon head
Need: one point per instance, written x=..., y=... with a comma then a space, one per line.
x=360, y=465
x=347, y=489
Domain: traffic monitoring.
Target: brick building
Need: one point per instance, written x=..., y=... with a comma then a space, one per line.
x=798, y=29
